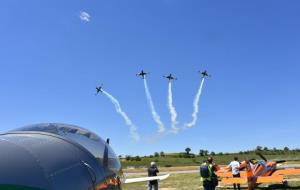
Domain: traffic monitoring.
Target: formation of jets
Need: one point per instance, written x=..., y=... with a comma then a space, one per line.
x=143, y=74
x=96, y=168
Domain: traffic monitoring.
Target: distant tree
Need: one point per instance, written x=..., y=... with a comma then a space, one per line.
x=127, y=157
x=156, y=154
x=188, y=150
x=220, y=153
x=206, y=152
x=201, y=152
x=212, y=153
x=266, y=149
x=137, y=158
x=286, y=149
x=162, y=154
x=151, y=156
x=258, y=148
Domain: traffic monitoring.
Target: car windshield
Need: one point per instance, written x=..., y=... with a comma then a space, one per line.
x=90, y=141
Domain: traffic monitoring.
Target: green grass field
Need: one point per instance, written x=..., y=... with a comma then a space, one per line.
x=192, y=182
x=177, y=181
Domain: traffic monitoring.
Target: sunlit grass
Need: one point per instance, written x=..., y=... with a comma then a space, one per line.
x=192, y=182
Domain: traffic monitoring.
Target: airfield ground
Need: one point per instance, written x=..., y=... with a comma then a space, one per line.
x=187, y=178
x=185, y=171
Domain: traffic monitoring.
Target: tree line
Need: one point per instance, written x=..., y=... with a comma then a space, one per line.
x=203, y=152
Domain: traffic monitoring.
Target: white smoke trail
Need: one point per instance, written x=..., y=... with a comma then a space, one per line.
x=196, y=106
x=172, y=109
x=156, y=117
x=132, y=128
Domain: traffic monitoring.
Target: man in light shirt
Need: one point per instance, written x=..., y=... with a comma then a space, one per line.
x=235, y=169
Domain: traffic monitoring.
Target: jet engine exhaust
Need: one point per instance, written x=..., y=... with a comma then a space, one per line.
x=132, y=128
x=196, y=106
x=172, y=110
x=155, y=115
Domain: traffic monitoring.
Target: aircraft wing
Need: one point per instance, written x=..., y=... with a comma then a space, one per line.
x=270, y=179
x=227, y=174
x=224, y=174
x=142, y=179
x=231, y=180
x=244, y=180
x=287, y=171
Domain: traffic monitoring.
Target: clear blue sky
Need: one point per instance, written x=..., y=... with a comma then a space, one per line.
x=51, y=61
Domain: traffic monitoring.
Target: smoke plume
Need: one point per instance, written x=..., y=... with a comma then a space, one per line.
x=155, y=116
x=172, y=109
x=132, y=128
x=196, y=106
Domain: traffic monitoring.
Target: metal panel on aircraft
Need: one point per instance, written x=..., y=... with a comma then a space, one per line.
x=20, y=167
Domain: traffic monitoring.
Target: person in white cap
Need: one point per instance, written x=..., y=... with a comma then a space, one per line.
x=152, y=171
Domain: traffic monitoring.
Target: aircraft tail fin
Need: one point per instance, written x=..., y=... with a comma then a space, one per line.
x=105, y=154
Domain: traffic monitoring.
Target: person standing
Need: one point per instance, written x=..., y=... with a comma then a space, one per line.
x=235, y=169
x=152, y=171
x=208, y=177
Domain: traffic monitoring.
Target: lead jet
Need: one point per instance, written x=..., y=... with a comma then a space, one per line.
x=142, y=74
x=204, y=74
x=55, y=156
x=99, y=89
x=170, y=77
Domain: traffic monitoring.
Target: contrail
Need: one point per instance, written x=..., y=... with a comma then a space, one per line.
x=132, y=128
x=172, y=109
x=196, y=106
x=156, y=117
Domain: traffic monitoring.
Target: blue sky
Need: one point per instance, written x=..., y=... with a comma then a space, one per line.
x=51, y=61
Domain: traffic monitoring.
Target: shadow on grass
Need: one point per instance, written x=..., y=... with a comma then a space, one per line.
x=278, y=186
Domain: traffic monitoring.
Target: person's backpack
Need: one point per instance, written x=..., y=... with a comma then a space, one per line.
x=204, y=171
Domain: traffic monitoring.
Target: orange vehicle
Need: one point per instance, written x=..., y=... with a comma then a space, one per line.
x=254, y=172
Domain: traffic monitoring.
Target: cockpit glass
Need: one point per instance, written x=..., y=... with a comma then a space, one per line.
x=90, y=141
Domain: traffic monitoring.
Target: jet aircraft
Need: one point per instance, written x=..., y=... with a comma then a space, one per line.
x=170, y=77
x=254, y=172
x=99, y=89
x=142, y=74
x=204, y=74
x=53, y=156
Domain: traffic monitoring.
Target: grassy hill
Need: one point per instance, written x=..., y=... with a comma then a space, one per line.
x=182, y=159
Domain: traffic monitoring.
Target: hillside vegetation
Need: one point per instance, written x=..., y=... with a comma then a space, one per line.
x=189, y=159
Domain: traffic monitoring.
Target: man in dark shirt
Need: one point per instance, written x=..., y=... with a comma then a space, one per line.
x=209, y=178
x=152, y=171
